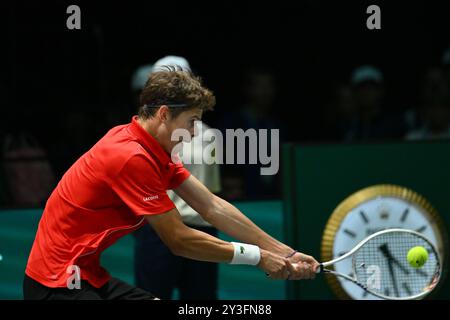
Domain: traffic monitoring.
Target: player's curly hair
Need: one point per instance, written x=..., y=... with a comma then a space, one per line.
x=179, y=89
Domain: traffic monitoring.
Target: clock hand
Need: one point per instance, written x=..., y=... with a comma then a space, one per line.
x=387, y=254
x=400, y=265
x=384, y=249
x=394, y=281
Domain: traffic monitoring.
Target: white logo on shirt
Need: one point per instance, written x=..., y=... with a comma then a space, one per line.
x=150, y=198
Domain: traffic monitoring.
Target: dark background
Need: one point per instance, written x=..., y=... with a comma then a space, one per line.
x=68, y=87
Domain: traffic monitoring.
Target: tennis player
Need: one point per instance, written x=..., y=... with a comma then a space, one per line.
x=120, y=184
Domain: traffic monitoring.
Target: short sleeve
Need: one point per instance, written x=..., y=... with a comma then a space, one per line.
x=178, y=173
x=140, y=186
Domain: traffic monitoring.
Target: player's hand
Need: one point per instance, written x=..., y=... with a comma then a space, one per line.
x=273, y=265
x=302, y=266
x=300, y=271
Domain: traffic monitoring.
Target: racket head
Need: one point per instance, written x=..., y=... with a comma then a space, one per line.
x=370, y=264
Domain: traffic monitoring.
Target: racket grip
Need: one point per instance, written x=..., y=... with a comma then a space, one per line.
x=320, y=268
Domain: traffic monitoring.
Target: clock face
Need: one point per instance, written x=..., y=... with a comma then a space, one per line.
x=370, y=216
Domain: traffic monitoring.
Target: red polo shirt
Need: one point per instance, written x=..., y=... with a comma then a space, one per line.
x=102, y=197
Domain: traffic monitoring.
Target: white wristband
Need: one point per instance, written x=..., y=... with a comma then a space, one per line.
x=245, y=254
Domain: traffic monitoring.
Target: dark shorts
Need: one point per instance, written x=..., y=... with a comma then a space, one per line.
x=159, y=271
x=114, y=290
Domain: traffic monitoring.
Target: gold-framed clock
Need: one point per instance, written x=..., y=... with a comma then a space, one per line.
x=370, y=210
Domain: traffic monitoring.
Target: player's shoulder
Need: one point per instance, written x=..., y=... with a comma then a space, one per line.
x=119, y=147
x=132, y=153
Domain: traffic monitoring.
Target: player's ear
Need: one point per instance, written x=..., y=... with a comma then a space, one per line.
x=164, y=113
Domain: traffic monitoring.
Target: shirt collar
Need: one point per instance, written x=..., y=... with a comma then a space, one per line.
x=150, y=144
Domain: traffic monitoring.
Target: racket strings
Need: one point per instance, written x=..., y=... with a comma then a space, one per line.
x=381, y=264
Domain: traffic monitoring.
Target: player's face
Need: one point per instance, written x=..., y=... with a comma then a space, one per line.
x=185, y=120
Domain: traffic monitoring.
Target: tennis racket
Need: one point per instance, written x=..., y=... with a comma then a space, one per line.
x=380, y=265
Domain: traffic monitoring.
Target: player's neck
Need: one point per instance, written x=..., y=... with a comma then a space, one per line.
x=151, y=127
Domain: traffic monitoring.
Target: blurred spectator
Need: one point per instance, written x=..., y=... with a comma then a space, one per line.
x=4, y=121
x=340, y=114
x=157, y=270
x=26, y=175
x=373, y=121
x=138, y=80
x=232, y=183
x=446, y=69
x=436, y=120
x=258, y=112
x=433, y=115
x=26, y=170
x=433, y=88
x=75, y=136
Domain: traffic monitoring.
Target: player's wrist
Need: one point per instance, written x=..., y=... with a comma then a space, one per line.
x=290, y=255
x=246, y=254
x=263, y=258
x=285, y=251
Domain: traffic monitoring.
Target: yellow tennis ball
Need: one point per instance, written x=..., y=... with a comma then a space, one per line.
x=417, y=256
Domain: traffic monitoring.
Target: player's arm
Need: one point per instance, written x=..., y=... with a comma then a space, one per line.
x=227, y=218
x=194, y=244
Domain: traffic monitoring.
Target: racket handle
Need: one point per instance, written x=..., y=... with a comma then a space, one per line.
x=320, y=268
